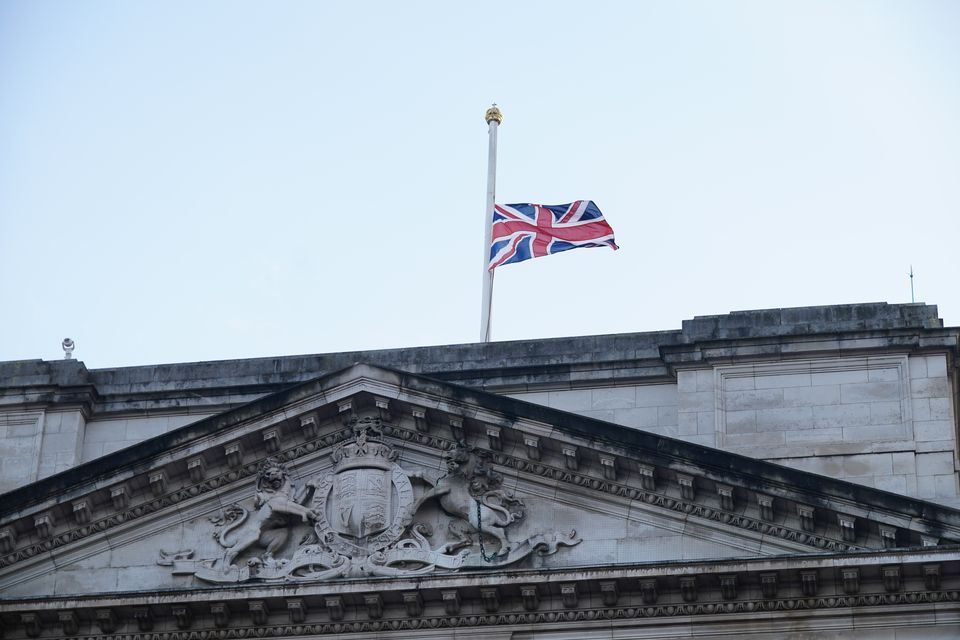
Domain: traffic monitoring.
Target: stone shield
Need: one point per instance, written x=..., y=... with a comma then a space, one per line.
x=363, y=509
x=361, y=502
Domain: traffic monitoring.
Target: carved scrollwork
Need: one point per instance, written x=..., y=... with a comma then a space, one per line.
x=362, y=513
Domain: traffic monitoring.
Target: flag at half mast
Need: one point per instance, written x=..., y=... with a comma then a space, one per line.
x=524, y=231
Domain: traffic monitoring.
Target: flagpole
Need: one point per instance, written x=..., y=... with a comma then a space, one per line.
x=493, y=118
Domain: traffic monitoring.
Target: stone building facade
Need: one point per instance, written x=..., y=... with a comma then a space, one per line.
x=780, y=473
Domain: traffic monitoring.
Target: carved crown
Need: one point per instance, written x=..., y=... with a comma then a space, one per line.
x=364, y=451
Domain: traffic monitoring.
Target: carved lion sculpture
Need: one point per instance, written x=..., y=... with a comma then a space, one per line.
x=268, y=524
x=470, y=491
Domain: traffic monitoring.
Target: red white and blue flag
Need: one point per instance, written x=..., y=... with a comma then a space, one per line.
x=524, y=231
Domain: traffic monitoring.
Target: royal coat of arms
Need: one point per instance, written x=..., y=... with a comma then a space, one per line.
x=366, y=503
x=362, y=515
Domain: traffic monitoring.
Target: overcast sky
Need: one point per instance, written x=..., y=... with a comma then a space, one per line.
x=186, y=181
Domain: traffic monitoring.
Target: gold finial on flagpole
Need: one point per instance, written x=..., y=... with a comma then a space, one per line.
x=493, y=113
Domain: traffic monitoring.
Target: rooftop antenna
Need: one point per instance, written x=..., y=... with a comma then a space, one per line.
x=68, y=347
x=911, y=284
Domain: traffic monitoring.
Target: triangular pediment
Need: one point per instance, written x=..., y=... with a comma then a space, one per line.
x=385, y=475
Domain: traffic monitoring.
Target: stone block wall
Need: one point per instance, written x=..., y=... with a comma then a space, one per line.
x=917, y=458
x=63, y=434
x=21, y=434
x=107, y=435
x=36, y=444
x=795, y=406
x=651, y=407
x=881, y=421
x=39, y=443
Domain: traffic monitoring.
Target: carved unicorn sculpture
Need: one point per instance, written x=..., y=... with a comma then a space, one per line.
x=470, y=491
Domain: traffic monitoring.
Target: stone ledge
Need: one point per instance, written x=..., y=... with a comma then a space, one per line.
x=800, y=321
x=513, y=366
x=796, y=585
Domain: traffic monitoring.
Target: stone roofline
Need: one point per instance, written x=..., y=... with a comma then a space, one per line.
x=876, y=583
x=767, y=334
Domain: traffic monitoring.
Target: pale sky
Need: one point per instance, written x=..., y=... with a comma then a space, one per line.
x=185, y=181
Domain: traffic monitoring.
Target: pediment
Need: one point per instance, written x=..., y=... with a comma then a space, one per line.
x=370, y=473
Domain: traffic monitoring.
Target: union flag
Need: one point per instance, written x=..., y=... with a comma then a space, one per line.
x=524, y=231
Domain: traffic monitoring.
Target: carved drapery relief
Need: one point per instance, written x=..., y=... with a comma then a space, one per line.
x=363, y=516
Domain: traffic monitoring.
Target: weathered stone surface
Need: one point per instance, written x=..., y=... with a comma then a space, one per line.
x=850, y=396
x=649, y=511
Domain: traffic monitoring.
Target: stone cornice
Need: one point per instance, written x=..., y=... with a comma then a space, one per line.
x=35, y=384
x=512, y=366
x=914, y=580
x=504, y=412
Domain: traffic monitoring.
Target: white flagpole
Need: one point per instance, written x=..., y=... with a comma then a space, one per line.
x=493, y=118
